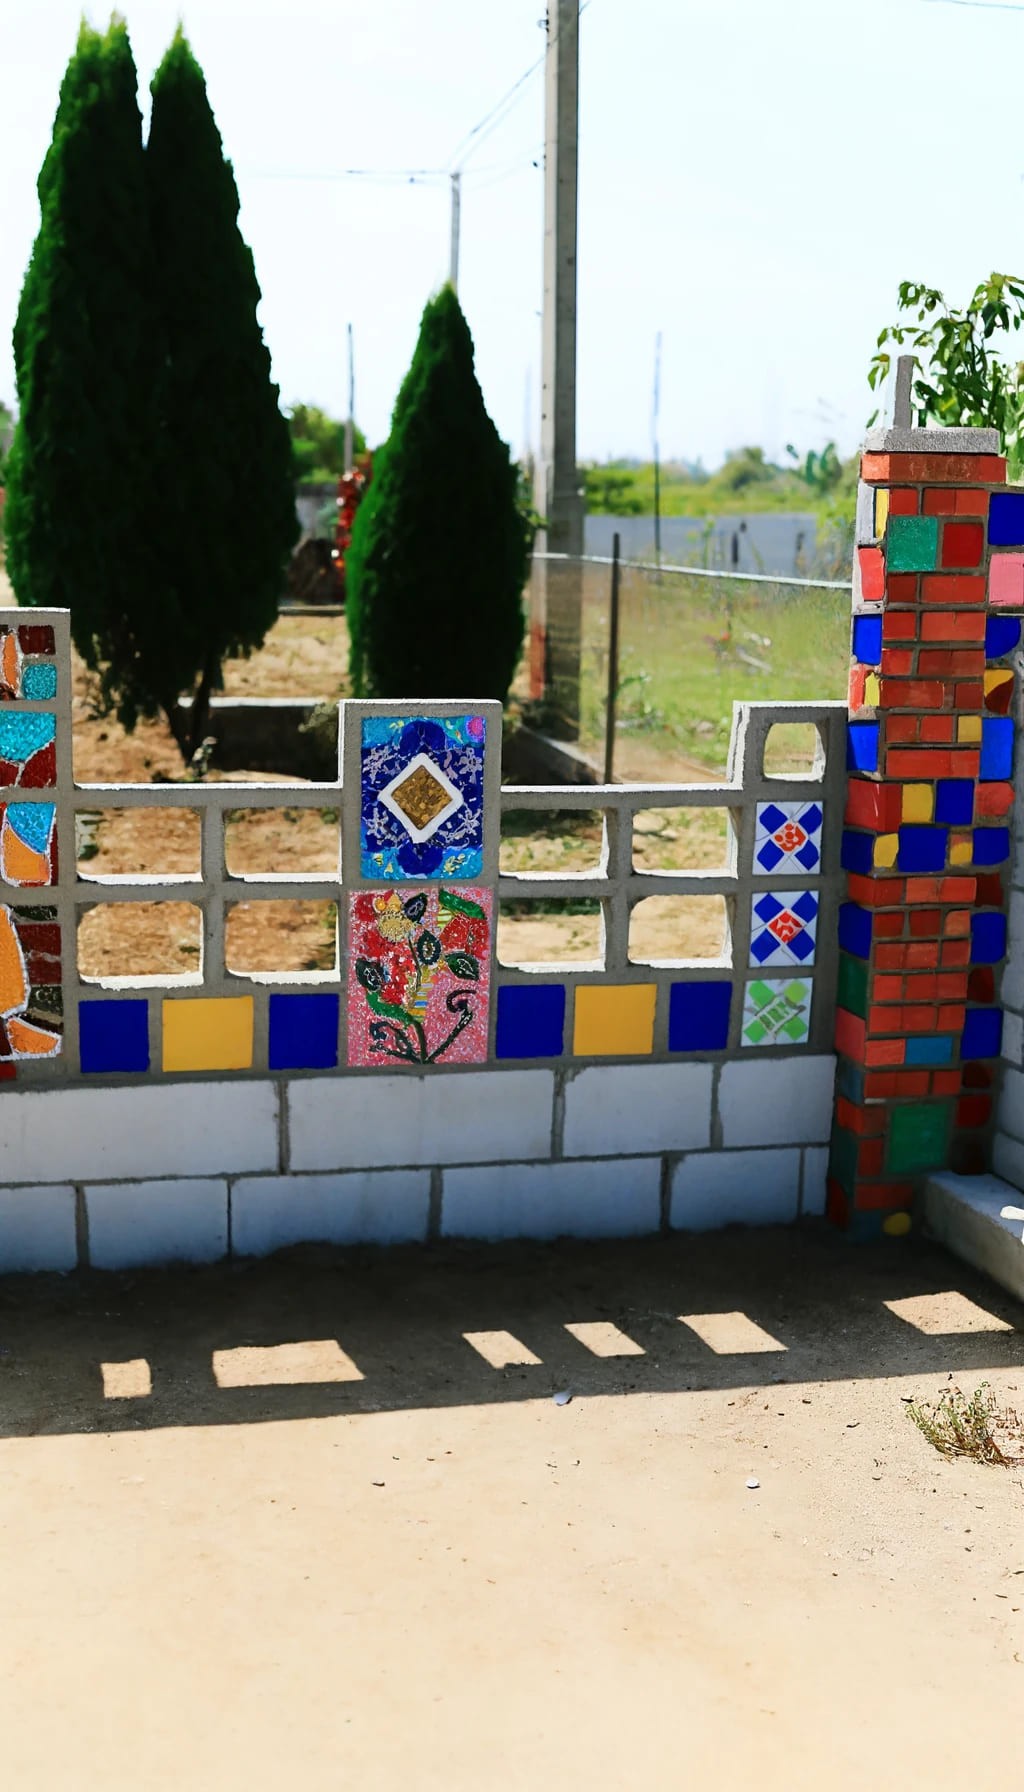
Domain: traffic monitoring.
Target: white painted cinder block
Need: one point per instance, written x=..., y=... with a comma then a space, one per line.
x=37, y=1229
x=965, y=1213
x=346, y=1123
x=177, y=1221
x=1010, y=1112
x=725, y=1188
x=1012, y=986
x=577, y=1200
x=637, y=1107
x=1008, y=1159
x=1013, y=1038
x=815, y=1179
x=170, y=1129
x=776, y=1101
x=366, y=1207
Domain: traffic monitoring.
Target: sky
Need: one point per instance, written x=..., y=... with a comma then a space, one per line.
x=756, y=178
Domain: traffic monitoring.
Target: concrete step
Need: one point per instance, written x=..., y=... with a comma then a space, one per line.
x=981, y=1219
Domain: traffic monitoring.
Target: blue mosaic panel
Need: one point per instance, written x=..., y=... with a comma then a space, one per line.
x=782, y=927
x=39, y=682
x=422, y=796
x=788, y=838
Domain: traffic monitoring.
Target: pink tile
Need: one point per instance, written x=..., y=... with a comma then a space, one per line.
x=419, y=971
x=1006, y=581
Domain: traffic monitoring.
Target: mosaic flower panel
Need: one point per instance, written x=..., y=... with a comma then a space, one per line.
x=28, y=844
x=31, y=1004
x=782, y=927
x=419, y=976
x=422, y=796
x=776, y=1011
x=28, y=748
x=788, y=838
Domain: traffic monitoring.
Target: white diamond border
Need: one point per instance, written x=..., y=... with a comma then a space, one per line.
x=454, y=803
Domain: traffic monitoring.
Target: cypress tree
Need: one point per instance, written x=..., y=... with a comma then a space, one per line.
x=86, y=343
x=435, y=569
x=227, y=518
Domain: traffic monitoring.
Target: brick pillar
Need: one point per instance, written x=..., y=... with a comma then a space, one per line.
x=936, y=605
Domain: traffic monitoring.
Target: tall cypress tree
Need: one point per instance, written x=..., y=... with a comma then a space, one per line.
x=78, y=508
x=227, y=518
x=435, y=570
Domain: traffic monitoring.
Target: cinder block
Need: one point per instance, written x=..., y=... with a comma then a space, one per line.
x=37, y=1229
x=637, y=1107
x=346, y=1123
x=371, y=1207
x=86, y=1135
x=777, y=1101
x=578, y=1200
x=1008, y=1158
x=815, y=1179
x=174, y=1221
x=726, y=1188
x=1010, y=1115
x=1013, y=1038
x=965, y=1214
x=1013, y=971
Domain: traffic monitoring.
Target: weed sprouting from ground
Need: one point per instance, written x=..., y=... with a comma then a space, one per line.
x=976, y=1427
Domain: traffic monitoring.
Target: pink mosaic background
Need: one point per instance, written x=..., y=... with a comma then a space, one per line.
x=419, y=963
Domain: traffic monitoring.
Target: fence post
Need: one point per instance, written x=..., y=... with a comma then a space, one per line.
x=613, y=667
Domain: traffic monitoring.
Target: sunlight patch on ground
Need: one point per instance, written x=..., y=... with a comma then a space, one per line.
x=501, y=1349
x=938, y=1315
x=126, y=1381
x=604, y=1339
x=277, y=1365
x=730, y=1334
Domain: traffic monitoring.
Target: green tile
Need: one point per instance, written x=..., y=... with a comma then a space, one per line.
x=918, y=1136
x=912, y=543
x=852, y=988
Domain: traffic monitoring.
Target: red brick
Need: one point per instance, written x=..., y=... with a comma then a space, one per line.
x=951, y=662
x=922, y=955
x=876, y=892
x=855, y=688
x=971, y=502
x=899, y=625
x=919, y=1017
x=976, y=1076
x=918, y=762
x=898, y=727
x=850, y=1035
x=956, y=952
x=885, y=1020
x=957, y=924
x=874, y=806
x=952, y=588
x=889, y=958
x=935, y=469
x=866, y=1122
x=887, y=989
x=887, y=926
x=923, y=889
x=901, y=588
x=925, y=923
x=959, y=889
x=903, y=501
x=872, y=574
x=874, y=468
x=944, y=1082
x=870, y=1157
x=952, y=625
x=962, y=544
x=875, y=1196
x=969, y=695
x=989, y=890
x=951, y=1017
x=971, y=1110
x=951, y=986
x=993, y=799
x=981, y=984
x=897, y=662
x=837, y=1207
x=882, y=1085
x=937, y=728
x=941, y=502
x=912, y=693
x=884, y=1051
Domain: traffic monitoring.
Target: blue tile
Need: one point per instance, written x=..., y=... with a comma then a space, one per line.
x=991, y=846
x=39, y=683
x=113, y=1036
x=862, y=747
x=922, y=849
x=857, y=851
x=531, y=1020
x=855, y=929
x=997, y=747
x=954, y=802
x=303, y=1032
x=698, y=1017
x=988, y=938
x=1006, y=520
x=983, y=1033
x=1001, y=636
x=867, y=640
x=850, y=1081
x=929, y=1050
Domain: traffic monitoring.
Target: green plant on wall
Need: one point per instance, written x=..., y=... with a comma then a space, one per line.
x=963, y=375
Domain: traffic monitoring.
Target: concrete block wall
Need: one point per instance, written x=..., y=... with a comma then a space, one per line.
x=119, y=1177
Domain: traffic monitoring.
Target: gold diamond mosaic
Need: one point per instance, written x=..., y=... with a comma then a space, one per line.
x=420, y=797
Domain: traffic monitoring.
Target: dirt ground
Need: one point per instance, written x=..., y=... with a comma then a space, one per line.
x=336, y=1545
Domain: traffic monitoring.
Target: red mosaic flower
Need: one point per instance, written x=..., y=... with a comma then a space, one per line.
x=785, y=927
x=790, y=838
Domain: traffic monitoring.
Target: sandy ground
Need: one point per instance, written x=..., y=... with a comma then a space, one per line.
x=402, y=1567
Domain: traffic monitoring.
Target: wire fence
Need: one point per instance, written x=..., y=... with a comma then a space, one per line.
x=692, y=641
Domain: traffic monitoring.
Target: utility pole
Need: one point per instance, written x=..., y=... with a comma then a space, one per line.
x=350, y=420
x=556, y=600
x=655, y=412
x=453, y=263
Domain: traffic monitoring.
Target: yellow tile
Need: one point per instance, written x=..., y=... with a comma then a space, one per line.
x=961, y=849
x=614, y=1020
x=212, y=1033
x=886, y=848
x=968, y=728
x=993, y=680
x=897, y=1225
x=872, y=690
x=918, y=802
x=881, y=511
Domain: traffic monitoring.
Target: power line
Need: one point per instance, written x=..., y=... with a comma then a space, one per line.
x=986, y=5
x=471, y=142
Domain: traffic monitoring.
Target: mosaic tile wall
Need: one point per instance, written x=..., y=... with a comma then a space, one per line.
x=938, y=597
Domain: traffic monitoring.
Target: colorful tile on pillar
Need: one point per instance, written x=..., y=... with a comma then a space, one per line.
x=422, y=796
x=28, y=753
x=776, y=1011
x=28, y=844
x=31, y=1003
x=788, y=838
x=419, y=976
x=782, y=926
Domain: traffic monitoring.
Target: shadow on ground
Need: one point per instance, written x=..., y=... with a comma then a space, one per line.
x=154, y=1348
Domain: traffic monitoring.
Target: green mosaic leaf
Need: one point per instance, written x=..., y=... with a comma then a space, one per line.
x=463, y=964
x=460, y=905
